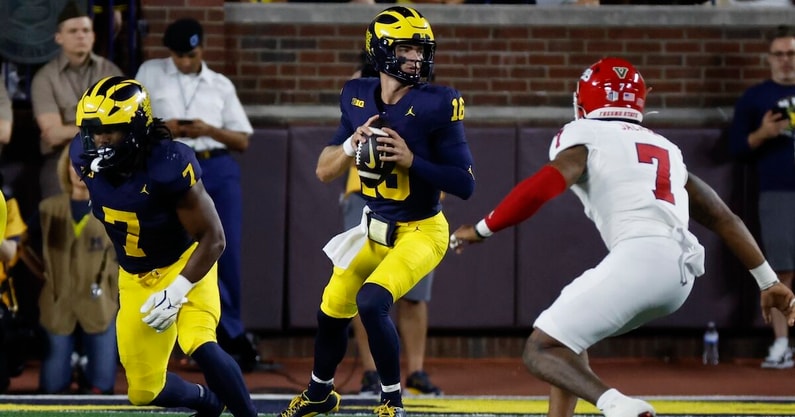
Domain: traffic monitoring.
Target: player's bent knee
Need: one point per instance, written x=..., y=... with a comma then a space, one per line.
x=140, y=397
x=535, y=348
x=193, y=340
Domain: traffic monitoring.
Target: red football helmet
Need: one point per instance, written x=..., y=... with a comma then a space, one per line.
x=610, y=89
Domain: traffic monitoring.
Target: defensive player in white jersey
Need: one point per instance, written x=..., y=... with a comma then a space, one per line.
x=636, y=189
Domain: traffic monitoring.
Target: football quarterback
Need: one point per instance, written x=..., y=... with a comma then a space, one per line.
x=402, y=236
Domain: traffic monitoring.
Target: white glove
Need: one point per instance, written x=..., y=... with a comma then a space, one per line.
x=163, y=306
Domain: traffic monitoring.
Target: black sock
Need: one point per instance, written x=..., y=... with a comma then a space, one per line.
x=374, y=303
x=223, y=376
x=331, y=342
x=393, y=398
x=318, y=391
x=180, y=393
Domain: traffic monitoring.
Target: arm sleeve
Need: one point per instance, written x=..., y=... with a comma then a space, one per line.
x=526, y=198
x=452, y=172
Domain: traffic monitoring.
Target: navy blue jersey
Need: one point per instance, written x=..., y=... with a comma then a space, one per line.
x=774, y=159
x=139, y=213
x=430, y=119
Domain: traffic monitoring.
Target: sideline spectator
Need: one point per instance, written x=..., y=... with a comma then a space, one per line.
x=6, y=115
x=79, y=299
x=12, y=346
x=59, y=84
x=762, y=133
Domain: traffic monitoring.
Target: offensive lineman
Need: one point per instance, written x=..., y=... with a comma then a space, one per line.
x=636, y=189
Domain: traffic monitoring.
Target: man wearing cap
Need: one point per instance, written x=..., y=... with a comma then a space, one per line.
x=58, y=85
x=202, y=110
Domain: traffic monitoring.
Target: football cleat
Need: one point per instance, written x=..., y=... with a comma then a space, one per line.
x=629, y=407
x=419, y=383
x=386, y=410
x=211, y=405
x=371, y=383
x=779, y=357
x=301, y=406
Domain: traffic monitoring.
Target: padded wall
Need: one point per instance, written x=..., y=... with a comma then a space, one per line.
x=313, y=217
x=477, y=288
x=289, y=215
x=264, y=179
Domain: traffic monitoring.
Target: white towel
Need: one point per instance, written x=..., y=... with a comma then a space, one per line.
x=692, y=258
x=342, y=248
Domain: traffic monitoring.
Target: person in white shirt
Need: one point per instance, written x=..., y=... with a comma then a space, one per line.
x=635, y=187
x=202, y=110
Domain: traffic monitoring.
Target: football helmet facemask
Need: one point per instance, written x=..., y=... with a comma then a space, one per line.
x=394, y=26
x=610, y=89
x=114, y=104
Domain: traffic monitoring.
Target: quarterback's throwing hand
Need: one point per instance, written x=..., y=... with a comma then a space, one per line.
x=163, y=306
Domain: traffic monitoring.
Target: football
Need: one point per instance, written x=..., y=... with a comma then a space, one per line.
x=372, y=170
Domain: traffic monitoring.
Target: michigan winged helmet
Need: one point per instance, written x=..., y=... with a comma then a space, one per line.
x=394, y=26
x=114, y=104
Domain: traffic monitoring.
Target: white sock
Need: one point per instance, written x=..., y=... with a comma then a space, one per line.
x=320, y=381
x=608, y=397
x=781, y=341
x=390, y=388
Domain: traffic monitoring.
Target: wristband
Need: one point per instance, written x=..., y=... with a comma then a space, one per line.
x=765, y=276
x=182, y=285
x=482, y=230
x=347, y=146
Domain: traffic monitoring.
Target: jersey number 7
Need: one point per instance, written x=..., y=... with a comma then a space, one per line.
x=647, y=154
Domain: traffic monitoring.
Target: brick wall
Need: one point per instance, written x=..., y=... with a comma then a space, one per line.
x=283, y=61
x=159, y=13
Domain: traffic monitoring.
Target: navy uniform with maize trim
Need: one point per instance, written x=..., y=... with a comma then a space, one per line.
x=201, y=108
x=147, y=191
x=403, y=234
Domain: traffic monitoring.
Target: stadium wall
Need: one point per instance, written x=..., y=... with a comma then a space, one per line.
x=516, y=67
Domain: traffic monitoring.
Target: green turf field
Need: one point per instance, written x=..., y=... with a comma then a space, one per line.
x=450, y=406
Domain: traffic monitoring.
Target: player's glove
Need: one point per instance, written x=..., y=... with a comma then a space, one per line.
x=163, y=306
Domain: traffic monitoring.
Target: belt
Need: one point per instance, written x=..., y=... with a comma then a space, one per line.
x=211, y=153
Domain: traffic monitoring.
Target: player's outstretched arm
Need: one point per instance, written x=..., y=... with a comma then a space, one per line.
x=708, y=209
x=526, y=197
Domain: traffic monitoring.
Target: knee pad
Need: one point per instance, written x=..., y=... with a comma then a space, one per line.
x=140, y=397
x=373, y=300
